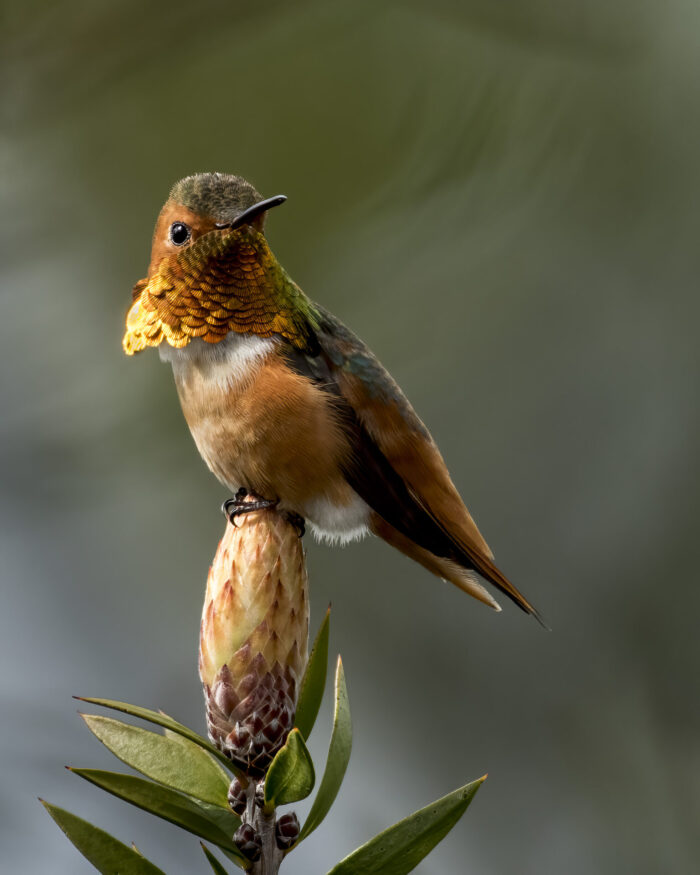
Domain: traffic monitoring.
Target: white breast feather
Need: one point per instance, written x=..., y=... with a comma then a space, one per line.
x=226, y=363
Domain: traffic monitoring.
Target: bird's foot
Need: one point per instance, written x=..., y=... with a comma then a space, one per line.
x=296, y=520
x=244, y=502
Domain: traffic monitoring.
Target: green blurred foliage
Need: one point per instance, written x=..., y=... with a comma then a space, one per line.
x=501, y=199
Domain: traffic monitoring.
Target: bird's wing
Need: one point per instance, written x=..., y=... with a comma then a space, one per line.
x=396, y=466
x=387, y=417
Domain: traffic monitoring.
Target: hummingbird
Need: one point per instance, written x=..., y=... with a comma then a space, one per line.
x=287, y=407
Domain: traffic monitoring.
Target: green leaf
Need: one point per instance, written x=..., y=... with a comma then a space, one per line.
x=161, y=719
x=338, y=756
x=174, y=736
x=108, y=855
x=291, y=774
x=314, y=681
x=179, y=764
x=400, y=848
x=213, y=862
x=206, y=821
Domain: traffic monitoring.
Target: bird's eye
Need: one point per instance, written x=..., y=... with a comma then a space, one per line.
x=179, y=233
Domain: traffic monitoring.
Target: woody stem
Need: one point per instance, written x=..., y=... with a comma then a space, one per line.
x=271, y=856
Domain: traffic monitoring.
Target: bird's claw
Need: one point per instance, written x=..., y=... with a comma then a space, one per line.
x=247, y=502
x=244, y=502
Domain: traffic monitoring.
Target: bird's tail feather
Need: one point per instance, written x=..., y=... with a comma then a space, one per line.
x=494, y=575
x=461, y=572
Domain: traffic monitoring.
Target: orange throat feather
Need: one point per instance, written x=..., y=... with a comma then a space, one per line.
x=227, y=281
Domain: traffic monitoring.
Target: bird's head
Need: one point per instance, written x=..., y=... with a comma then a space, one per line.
x=211, y=269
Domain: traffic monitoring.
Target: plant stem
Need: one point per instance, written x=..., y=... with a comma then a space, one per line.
x=271, y=857
x=264, y=824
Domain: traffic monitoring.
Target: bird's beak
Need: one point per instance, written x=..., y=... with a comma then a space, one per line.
x=247, y=216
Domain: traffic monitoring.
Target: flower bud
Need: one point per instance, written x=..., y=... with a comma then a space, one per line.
x=287, y=831
x=254, y=638
x=237, y=797
x=248, y=842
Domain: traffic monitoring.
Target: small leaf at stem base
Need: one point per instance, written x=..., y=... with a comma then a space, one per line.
x=291, y=774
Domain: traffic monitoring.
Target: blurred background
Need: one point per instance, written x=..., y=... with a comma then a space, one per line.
x=502, y=199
